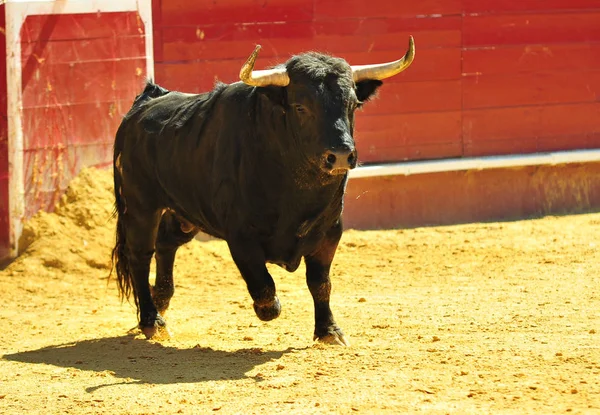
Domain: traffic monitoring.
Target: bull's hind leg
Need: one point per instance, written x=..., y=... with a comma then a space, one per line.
x=141, y=227
x=318, y=265
x=172, y=233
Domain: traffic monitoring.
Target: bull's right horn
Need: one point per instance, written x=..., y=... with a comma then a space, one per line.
x=385, y=70
x=275, y=77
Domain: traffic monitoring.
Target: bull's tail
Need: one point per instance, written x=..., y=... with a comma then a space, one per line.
x=120, y=261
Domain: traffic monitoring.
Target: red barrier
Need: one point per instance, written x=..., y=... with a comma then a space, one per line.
x=73, y=70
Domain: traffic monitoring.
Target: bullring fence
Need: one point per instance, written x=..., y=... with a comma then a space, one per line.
x=496, y=119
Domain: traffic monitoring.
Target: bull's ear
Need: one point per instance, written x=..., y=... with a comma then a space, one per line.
x=366, y=89
x=275, y=94
x=273, y=99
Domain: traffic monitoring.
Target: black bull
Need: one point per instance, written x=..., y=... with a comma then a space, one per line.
x=262, y=164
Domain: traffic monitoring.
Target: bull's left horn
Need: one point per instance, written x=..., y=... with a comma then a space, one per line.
x=275, y=77
x=385, y=70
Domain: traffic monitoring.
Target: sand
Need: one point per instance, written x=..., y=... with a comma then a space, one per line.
x=478, y=318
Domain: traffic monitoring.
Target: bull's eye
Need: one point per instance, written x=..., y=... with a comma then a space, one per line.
x=300, y=109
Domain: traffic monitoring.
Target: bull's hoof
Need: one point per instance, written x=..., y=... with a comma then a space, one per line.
x=267, y=312
x=156, y=333
x=155, y=330
x=334, y=336
x=149, y=332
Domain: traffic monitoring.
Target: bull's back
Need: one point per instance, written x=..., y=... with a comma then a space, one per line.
x=162, y=150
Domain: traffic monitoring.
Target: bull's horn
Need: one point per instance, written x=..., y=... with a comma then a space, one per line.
x=275, y=77
x=385, y=70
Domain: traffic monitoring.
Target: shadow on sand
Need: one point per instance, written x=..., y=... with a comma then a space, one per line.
x=140, y=361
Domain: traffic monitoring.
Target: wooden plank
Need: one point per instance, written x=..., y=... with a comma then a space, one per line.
x=96, y=82
x=185, y=12
x=544, y=6
x=157, y=30
x=407, y=129
x=370, y=25
x=235, y=41
x=83, y=50
x=274, y=51
x=46, y=127
x=196, y=77
x=358, y=9
x=35, y=202
x=64, y=125
x=250, y=32
x=393, y=41
x=570, y=141
x=49, y=171
x=3, y=157
x=532, y=122
x=532, y=144
x=530, y=89
x=43, y=171
x=80, y=26
x=531, y=58
x=409, y=97
x=499, y=147
x=371, y=154
x=524, y=29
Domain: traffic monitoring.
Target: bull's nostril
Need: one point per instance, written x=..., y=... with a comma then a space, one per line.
x=351, y=159
x=331, y=158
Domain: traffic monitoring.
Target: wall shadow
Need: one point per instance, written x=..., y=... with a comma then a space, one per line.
x=141, y=361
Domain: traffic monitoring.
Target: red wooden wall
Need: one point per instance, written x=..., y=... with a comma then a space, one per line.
x=531, y=75
x=490, y=76
x=77, y=84
x=80, y=74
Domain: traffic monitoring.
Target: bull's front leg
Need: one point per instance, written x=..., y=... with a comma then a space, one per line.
x=318, y=265
x=250, y=260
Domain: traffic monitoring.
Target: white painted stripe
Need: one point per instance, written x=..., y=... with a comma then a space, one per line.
x=16, y=179
x=477, y=163
x=144, y=8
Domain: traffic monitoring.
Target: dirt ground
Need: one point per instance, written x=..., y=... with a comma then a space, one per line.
x=482, y=318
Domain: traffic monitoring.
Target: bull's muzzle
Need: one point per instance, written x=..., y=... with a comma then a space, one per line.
x=339, y=161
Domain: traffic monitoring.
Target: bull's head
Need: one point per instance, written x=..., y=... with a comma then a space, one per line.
x=320, y=94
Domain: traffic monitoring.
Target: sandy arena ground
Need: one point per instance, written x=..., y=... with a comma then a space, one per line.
x=472, y=319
